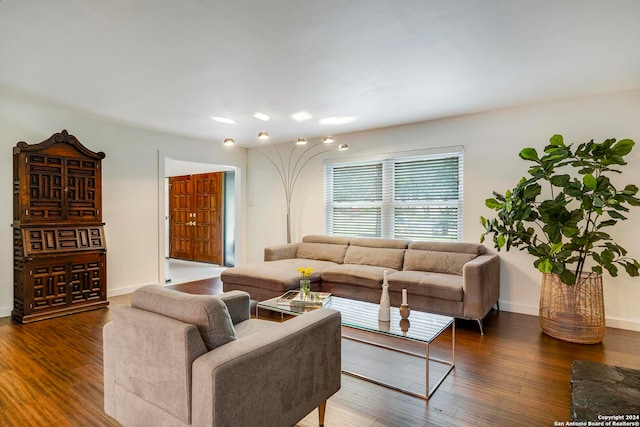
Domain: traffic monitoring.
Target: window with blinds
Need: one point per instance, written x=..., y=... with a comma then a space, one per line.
x=415, y=198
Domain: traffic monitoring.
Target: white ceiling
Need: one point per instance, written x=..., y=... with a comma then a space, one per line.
x=171, y=64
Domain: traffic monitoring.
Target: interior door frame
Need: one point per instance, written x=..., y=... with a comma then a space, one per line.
x=163, y=158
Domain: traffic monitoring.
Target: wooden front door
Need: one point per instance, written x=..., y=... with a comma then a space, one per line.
x=195, y=217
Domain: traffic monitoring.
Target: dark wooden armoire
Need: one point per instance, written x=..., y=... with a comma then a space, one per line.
x=60, y=261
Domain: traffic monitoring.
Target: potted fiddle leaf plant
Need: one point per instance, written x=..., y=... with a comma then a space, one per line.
x=561, y=214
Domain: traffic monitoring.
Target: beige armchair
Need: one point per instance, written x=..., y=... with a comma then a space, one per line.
x=175, y=359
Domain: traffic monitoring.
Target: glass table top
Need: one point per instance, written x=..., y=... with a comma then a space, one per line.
x=420, y=326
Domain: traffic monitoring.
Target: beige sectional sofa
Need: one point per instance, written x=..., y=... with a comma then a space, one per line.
x=456, y=279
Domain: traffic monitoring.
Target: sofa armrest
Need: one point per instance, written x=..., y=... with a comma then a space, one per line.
x=286, y=251
x=239, y=305
x=481, y=285
x=273, y=378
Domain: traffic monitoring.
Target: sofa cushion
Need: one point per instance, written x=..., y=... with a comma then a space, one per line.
x=458, y=247
x=321, y=251
x=381, y=257
x=367, y=276
x=435, y=285
x=208, y=313
x=321, y=238
x=436, y=261
x=280, y=276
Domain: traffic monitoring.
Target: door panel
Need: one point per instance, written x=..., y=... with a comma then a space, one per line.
x=208, y=209
x=180, y=217
x=196, y=217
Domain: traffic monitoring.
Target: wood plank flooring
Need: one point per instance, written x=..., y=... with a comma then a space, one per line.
x=51, y=375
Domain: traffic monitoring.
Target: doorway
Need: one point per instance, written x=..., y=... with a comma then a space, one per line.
x=196, y=217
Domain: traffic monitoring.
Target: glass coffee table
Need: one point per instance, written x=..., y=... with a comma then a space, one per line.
x=421, y=327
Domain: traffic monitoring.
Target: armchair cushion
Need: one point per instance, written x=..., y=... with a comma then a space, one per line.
x=208, y=313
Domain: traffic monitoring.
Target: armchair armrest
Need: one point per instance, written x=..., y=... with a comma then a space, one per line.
x=273, y=378
x=286, y=251
x=149, y=356
x=239, y=305
x=481, y=285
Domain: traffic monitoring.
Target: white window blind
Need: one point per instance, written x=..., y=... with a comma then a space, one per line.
x=416, y=198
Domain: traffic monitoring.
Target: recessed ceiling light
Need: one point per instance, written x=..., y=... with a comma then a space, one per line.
x=328, y=140
x=224, y=120
x=343, y=147
x=337, y=120
x=229, y=141
x=263, y=136
x=301, y=141
x=261, y=116
x=301, y=116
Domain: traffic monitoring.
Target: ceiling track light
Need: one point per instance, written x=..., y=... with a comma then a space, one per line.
x=343, y=147
x=263, y=136
x=229, y=141
x=301, y=141
x=328, y=140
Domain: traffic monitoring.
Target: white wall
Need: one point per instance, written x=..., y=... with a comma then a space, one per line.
x=132, y=185
x=492, y=142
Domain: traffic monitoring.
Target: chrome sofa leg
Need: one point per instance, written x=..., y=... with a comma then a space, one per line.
x=480, y=325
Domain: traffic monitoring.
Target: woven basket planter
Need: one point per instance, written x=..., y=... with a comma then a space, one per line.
x=573, y=313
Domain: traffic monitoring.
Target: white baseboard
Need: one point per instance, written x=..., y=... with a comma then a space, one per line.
x=5, y=311
x=125, y=291
x=630, y=325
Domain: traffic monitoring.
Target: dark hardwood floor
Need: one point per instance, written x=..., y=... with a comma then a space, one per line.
x=51, y=375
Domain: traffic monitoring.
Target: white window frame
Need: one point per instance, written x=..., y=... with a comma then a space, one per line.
x=388, y=204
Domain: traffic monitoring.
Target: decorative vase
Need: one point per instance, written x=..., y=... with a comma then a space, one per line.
x=384, y=312
x=404, y=307
x=573, y=313
x=305, y=288
x=404, y=311
x=404, y=326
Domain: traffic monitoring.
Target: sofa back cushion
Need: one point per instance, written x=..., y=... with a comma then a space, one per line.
x=379, y=252
x=436, y=262
x=456, y=247
x=323, y=248
x=208, y=313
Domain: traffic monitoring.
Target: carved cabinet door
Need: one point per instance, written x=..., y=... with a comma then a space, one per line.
x=60, y=188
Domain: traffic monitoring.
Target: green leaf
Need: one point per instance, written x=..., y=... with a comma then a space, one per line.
x=612, y=269
x=567, y=277
x=598, y=202
x=493, y=204
x=529, y=154
x=545, y=266
x=622, y=147
x=555, y=248
x=590, y=181
x=616, y=215
x=560, y=180
x=631, y=269
x=606, y=256
x=501, y=241
x=557, y=140
x=532, y=191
